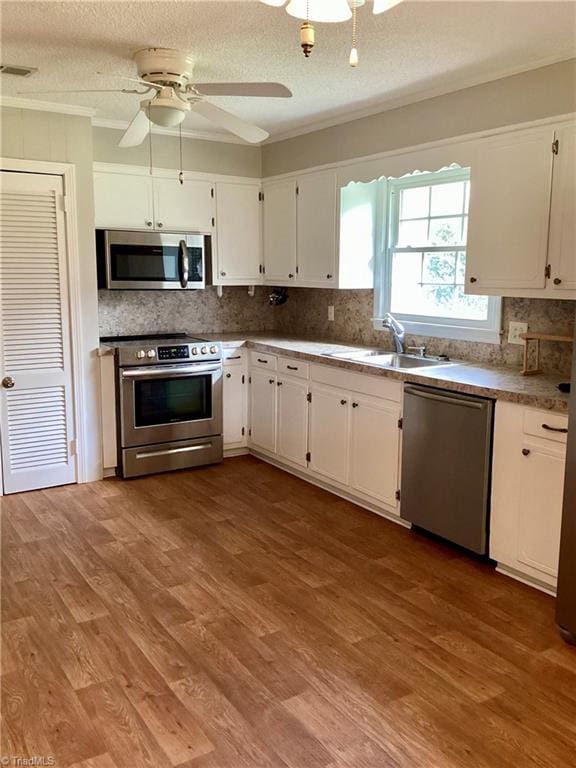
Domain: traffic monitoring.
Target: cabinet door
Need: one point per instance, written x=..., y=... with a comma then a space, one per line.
x=238, y=234
x=562, y=251
x=234, y=396
x=317, y=228
x=263, y=410
x=280, y=233
x=540, y=506
x=374, y=448
x=187, y=207
x=329, y=432
x=292, y=420
x=122, y=201
x=509, y=213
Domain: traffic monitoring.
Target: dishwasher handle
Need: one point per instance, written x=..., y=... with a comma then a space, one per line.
x=452, y=399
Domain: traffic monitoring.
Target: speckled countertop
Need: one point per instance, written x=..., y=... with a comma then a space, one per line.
x=508, y=384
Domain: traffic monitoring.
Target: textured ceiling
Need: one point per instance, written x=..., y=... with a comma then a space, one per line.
x=415, y=49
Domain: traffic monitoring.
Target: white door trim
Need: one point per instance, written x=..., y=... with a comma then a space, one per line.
x=68, y=173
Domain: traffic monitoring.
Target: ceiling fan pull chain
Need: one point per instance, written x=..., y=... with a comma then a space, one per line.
x=149, y=138
x=181, y=174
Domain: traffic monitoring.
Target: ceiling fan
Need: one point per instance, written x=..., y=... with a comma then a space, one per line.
x=168, y=73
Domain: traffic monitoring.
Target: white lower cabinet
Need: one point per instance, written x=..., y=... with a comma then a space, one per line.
x=263, y=410
x=527, y=488
x=292, y=423
x=375, y=448
x=235, y=406
x=329, y=433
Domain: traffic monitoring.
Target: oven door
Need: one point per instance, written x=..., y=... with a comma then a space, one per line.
x=163, y=403
x=152, y=260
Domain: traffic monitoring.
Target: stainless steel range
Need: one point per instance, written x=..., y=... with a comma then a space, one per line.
x=169, y=402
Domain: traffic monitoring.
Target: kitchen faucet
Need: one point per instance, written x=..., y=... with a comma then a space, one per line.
x=397, y=330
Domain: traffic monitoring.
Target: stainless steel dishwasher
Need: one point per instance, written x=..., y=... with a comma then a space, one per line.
x=446, y=462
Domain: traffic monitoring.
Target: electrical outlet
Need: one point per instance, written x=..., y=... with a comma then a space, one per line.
x=331, y=312
x=514, y=331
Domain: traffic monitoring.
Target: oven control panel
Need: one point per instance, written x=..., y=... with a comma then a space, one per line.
x=179, y=352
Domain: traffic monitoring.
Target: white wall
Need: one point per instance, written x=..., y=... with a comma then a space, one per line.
x=48, y=136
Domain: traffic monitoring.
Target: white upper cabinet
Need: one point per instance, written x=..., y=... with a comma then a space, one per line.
x=187, y=207
x=238, y=254
x=509, y=213
x=562, y=250
x=316, y=227
x=280, y=232
x=123, y=201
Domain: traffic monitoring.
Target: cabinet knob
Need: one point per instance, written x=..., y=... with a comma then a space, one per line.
x=222, y=274
x=354, y=405
x=8, y=382
x=159, y=225
x=473, y=280
x=279, y=383
x=228, y=375
x=148, y=223
x=343, y=402
x=290, y=275
x=328, y=277
x=270, y=381
x=525, y=451
x=557, y=281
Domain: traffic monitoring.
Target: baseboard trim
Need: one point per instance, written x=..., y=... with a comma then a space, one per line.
x=313, y=480
x=229, y=453
x=528, y=580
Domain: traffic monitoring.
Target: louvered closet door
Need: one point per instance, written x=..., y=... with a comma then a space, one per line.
x=36, y=422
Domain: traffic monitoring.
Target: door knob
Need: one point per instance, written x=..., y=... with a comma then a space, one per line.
x=8, y=382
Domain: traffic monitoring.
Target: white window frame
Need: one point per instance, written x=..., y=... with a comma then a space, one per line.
x=488, y=331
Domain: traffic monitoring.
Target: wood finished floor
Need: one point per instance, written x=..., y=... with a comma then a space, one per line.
x=237, y=617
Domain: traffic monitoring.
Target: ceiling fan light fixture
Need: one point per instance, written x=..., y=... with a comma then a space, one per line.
x=381, y=6
x=275, y=3
x=319, y=10
x=165, y=115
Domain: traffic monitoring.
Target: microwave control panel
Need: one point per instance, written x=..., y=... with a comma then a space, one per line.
x=180, y=352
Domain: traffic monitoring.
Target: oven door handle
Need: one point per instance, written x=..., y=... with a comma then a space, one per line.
x=164, y=373
x=183, y=263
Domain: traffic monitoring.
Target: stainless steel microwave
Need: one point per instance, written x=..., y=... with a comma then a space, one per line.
x=152, y=260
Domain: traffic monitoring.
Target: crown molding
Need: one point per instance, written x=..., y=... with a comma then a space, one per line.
x=121, y=125
x=46, y=106
x=413, y=98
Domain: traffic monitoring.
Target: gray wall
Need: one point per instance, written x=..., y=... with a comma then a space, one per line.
x=528, y=96
x=35, y=135
x=197, y=154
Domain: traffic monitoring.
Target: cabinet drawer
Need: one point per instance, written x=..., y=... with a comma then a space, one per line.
x=233, y=356
x=378, y=386
x=292, y=367
x=546, y=424
x=262, y=360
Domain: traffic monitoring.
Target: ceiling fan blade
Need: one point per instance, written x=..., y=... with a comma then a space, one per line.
x=83, y=90
x=268, y=90
x=136, y=131
x=224, y=119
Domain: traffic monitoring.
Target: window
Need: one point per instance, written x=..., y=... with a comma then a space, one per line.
x=423, y=260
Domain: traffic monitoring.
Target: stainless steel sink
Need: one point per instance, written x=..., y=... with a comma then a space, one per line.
x=389, y=359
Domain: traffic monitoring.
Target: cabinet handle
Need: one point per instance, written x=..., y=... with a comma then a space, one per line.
x=270, y=381
x=557, y=281
x=228, y=375
x=148, y=223
x=354, y=405
x=222, y=274
x=278, y=383
x=473, y=280
x=159, y=225
x=525, y=451
x=261, y=360
x=562, y=430
x=343, y=402
x=290, y=275
x=234, y=357
x=292, y=367
x=328, y=277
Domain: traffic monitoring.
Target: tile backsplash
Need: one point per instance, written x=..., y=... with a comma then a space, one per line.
x=306, y=315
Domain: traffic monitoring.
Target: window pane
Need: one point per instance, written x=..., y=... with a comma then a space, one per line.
x=439, y=268
x=447, y=199
x=413, y=233
x=461, y=268
x=467, y=197
x=414, y=202
x=445, y=232
x=440, y=298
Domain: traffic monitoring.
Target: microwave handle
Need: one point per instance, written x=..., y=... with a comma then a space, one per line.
x=183, y=263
